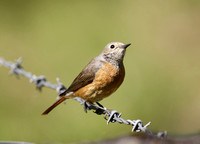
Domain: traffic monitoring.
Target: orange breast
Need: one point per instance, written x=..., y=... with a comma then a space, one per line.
x=107, y=80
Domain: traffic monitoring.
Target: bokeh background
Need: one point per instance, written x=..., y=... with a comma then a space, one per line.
x=58, y=38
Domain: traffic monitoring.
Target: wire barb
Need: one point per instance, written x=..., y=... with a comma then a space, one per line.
x=113, y=115
x=38, y=81
x=61, y=88
x=15, y=66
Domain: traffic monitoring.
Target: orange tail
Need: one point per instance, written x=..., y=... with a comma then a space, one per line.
x=54, y=105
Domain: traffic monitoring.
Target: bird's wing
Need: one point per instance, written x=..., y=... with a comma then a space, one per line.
x=86, y=76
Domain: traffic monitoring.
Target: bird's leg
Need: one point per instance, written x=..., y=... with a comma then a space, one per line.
x=99, y=104
x=85, y=106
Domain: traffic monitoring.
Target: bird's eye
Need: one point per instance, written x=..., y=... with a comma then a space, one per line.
x=112, y=46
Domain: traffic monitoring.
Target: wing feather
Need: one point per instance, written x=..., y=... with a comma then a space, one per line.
x=86, y=76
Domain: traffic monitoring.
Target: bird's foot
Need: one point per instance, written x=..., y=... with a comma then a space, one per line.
x=85, y=106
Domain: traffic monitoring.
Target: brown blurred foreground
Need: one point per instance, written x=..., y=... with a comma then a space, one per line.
x=143, y=139
x=134, y=139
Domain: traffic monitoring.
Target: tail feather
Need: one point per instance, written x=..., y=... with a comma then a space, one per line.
x=54, y=105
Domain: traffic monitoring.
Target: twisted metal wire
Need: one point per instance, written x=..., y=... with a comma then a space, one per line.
x=110, y=115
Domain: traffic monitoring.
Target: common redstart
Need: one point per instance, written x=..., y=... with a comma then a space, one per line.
x=100, y=78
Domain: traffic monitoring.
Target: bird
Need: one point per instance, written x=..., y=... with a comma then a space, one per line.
x=101, y=77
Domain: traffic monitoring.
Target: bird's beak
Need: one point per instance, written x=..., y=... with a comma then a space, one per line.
x=125, y=46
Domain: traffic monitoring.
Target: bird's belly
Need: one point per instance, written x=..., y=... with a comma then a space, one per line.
x=107, y=80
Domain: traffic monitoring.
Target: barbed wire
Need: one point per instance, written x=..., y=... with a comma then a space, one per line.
x=110, y=115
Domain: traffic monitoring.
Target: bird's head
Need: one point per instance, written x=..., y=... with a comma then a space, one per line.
x=114, y=51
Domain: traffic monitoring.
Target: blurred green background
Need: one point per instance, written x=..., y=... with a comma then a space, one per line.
x=58, y=38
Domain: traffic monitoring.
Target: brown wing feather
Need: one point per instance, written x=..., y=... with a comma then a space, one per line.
x=86, y=76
